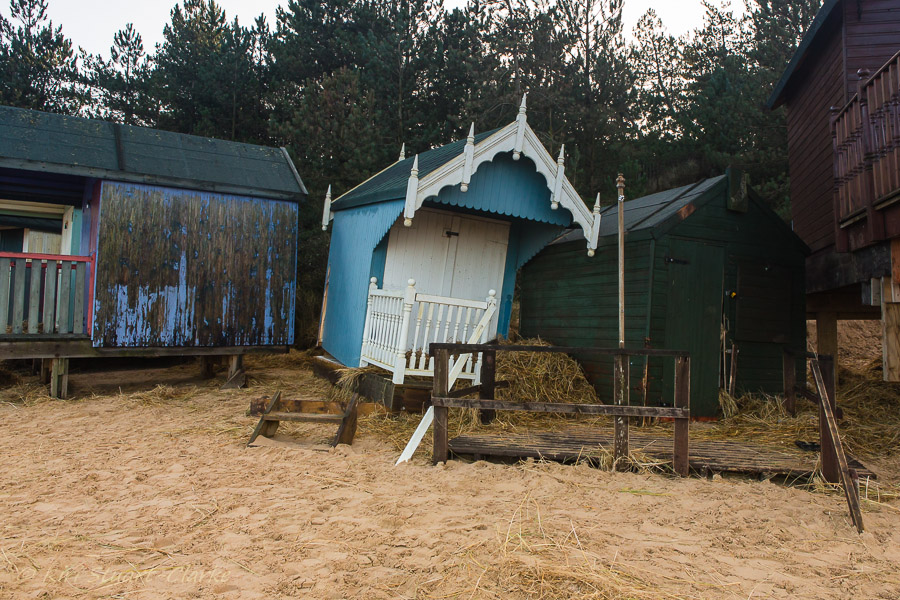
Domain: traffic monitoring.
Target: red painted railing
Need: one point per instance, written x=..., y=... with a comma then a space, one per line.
x=45, y=294
x=866, y=138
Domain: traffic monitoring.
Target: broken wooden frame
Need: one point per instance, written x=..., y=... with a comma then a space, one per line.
x=835, y=468
x=443, y=399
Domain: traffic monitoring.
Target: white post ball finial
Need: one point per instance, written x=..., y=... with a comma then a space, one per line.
x=373, y=280
x=590, y=253
x=411, y=283
x=492, y=293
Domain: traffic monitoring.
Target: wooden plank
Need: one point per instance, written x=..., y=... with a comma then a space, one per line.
x=830, y=467
x=78, y=310
x=620, y=397
x=681, y=452
x=303, y=417
x=18, y=292
x=5, y=276
x=459, y=348
x=890, y=321
x=441, y=384
x=664, y=412
x=34, y=297
x=262, y=424
x=789, y=382
x=347, y=429
x=80, y=346
x=488, y=385
x=59, y=378
x=851, y=491
x=50, y=278
x=62, y=306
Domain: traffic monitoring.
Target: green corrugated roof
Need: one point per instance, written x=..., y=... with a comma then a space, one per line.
x=390, y=184
x=647, y=212
x=40, y=141
x=824, y=12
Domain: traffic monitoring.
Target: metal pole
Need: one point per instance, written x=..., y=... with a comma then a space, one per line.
x=620, y=184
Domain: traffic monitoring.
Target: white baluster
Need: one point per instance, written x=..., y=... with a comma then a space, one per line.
x=425, y=338
x=415, y=339
x=367, y=328
x=400, y=362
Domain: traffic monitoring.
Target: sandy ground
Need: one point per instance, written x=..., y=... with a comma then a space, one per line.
x=128, y=494
x=859, y=342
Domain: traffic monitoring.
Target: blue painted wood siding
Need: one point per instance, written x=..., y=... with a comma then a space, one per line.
x=355, y=234
x=187, y=268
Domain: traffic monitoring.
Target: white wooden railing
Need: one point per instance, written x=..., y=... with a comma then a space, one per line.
x=387, y=342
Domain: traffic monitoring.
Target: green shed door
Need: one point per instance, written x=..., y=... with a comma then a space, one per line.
x=694, y=316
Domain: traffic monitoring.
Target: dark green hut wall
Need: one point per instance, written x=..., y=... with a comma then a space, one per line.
x=568, y=298
x=187, y=268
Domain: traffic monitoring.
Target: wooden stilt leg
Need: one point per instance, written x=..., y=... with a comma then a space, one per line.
x=59, y=378
x=45, y=370
x=488, y=383
x=681, y=455
x=236, y=376
x=830, y=469
x=208, y=366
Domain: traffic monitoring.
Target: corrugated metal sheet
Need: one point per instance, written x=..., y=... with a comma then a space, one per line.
x=507, y=187
x=355, y=234
x=648, y=212
x=49, y=142
x=390, y=184
x=189, y=268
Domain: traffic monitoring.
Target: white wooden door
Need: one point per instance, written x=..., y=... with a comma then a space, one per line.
x=448, y=255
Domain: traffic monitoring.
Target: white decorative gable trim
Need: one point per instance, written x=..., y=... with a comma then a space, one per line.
x=519, y=138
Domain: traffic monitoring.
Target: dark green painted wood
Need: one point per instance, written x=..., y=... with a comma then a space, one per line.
x=568, y=298
x=50, y=296
x=694, y=316
x=5, y=280
x=34, y=297
x=18, y=292
x=63, y=306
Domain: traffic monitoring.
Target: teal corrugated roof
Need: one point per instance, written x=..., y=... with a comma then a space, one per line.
x=777, y=96
x=390, y=184
x=647, y=212
x=34, y=140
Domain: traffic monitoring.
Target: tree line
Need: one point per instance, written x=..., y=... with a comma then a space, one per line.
x=343, y=83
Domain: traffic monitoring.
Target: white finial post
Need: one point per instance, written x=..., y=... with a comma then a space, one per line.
x=326, y=212
x=560, y=176
x=402, y=152
x=412, y=188
x=409, y=298
x=469, y=160
x=521, y=120
x=595, y=227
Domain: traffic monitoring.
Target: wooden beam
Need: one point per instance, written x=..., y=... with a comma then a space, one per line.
x=828, y=422
x=75, y=346
x=826, y=336
x=620, y=397
x=681, y=452
x=236, y=377
x=59, y=378
x=890, y=340
x=441, y=388
x=825, y=366
x=789, y=380
x=488, y=384
x=460, y=347
x=663, y=412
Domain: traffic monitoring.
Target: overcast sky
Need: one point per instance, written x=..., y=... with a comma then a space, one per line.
x=92, y=23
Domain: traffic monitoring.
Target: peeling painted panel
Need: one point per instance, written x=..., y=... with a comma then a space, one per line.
x=187, y=268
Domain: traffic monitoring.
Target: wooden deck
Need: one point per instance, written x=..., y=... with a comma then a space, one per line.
x=572, y=444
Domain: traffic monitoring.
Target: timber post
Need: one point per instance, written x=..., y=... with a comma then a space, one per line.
x=441, y=390
x=236, y=376
x=830, y=468
x=789, y=374
x=488, y=384
x=681, y=453
x=208, y=366
x=59, y=378
x=620, y=396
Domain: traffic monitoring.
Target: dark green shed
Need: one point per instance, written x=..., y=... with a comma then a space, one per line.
x=703, y=262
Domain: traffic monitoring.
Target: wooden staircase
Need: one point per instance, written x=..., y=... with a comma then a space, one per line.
x=275, y=414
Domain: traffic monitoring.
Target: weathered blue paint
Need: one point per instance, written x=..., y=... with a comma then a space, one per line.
x=355, y=235
x=507, y=187
x=187, y=268
x=379, y=259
